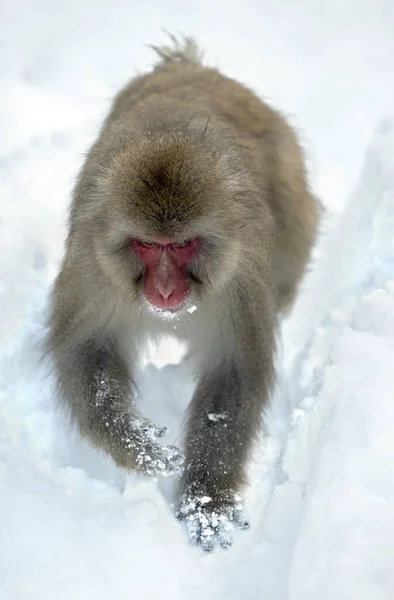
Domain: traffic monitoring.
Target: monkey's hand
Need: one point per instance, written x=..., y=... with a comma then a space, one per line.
x=211, y=522
x=154, y=459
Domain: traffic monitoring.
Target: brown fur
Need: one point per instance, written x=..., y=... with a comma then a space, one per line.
x=185, y=152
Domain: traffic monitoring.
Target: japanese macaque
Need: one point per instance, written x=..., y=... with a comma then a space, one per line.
x=193, y=204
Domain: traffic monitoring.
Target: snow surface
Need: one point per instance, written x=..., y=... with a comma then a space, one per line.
x=321, y=500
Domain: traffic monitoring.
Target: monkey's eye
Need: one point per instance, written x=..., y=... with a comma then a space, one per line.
x=139, y=244
x=149, y=244
x=144, y=248
x=180, y=244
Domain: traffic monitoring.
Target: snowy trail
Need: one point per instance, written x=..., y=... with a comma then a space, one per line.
x=322, y=496
x=66, y=514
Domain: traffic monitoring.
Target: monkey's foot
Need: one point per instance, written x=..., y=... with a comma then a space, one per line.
x=210, y=522
x=154, y=459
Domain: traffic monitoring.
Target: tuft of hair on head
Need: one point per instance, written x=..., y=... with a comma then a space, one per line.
x=182, y=49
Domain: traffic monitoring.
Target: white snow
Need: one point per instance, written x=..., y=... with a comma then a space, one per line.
x=321, y=500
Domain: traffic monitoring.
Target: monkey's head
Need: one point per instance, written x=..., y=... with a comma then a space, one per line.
x=170, y=218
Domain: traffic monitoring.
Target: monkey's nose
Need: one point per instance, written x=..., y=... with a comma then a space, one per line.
x=165, y=289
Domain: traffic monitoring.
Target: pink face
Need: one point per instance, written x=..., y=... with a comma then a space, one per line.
x=166, y=285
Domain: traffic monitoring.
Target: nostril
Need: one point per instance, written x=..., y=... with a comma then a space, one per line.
x=165, y=289
x=166, y=294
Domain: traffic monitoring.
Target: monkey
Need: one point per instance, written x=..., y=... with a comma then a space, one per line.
x=193, y=206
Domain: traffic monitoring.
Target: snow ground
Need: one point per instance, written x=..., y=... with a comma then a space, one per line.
x=322, y=496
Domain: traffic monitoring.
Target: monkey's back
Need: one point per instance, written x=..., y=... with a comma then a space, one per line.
x=181, y=91
x=190, y=88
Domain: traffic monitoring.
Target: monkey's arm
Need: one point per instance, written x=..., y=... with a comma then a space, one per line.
x=224, y=420
x=96, y=388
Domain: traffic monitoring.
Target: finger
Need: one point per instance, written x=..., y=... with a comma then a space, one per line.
x=193, y=529
x=224, y=533
x=239, y=517
x=225, y=539
x=208, y=539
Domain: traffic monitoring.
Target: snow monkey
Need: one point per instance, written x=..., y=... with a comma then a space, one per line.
x=193, y=204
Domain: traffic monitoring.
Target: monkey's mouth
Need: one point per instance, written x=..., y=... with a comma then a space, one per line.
x=168, y=306
x=172, y=306
x=173, y=313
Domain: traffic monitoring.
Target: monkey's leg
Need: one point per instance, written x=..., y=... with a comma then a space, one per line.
x=95, y=385
x=225, y=417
